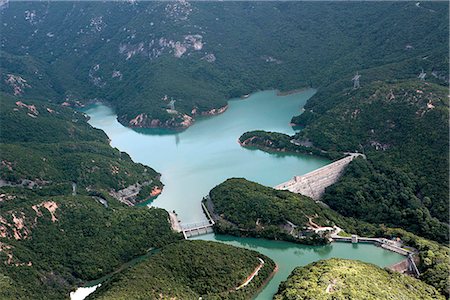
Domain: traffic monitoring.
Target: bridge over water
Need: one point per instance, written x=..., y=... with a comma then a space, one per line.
x=193, y=229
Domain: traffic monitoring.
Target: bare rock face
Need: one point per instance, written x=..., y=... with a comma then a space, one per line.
x=138, y=121
x=17, y=83
x=215, y=111
x=178, y=121
x=18, y=225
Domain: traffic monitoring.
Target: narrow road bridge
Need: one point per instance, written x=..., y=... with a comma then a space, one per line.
x=192, y=229
x=196, y=229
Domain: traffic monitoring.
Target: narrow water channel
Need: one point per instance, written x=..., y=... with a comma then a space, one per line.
x=194, y=161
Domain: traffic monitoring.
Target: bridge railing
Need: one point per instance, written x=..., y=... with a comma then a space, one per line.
x=195, y=225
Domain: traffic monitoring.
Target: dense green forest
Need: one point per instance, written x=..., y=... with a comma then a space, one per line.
x=54, y=147
x=434, y=258
x=280, y=142
x=348, y=279
x=402, y=128
x=137, y=56
x=53, y=244
x=244, y=208
x=52, y=239
x=190, y=270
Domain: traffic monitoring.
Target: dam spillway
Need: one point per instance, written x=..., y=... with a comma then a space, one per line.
x=313, y=184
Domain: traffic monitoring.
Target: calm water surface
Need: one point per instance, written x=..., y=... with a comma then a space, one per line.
x=288, y=255
x=197, y=159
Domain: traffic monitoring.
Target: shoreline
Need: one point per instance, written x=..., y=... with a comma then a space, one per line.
x=170, y=124
x=281, y=152
x=211, y=112
x=266, y=281
x=291, y=92
x=83, y=106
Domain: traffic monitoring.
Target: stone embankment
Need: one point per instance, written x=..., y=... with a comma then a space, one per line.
x=313, y=184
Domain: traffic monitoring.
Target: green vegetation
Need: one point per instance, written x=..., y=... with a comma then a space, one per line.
x=280, y=142
x=190, y=270
x=347, y=279
x=133, y=55
x=50, y=240
x=239, y=205
x=402, y=128
x=245, y=208
x=45, y=257
x=434, y=258
x=55, y=146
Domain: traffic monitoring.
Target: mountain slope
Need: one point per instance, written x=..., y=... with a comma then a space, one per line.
x=201, y=54
x=191, y=270
x=51, y=244
x=59, y=222
x=54, y=147
x=347, y=279
x=402, y=127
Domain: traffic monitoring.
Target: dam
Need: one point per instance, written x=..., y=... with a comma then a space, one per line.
x=313, y=184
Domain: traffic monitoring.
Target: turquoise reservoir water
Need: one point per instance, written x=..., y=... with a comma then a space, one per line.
x=288, y=255
x=197, y=159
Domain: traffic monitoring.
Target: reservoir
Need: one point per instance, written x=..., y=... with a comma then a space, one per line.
x=192, y=162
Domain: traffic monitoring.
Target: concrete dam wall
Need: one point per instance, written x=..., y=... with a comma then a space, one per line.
x=313, y=184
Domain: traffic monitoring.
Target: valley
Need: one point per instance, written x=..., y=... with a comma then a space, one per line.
x=315, y=134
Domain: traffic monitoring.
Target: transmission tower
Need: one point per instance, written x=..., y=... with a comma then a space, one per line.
x=355, y=80
x=422, y=75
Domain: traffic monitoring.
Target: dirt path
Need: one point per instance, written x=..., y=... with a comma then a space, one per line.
x=251, y=276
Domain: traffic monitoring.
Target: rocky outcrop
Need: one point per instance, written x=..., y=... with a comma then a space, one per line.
x=156, y=190
x=177, y=121
x=31, y=108
x=17, y=83
x=142, y=120
x=214, y=111
x=18, y=225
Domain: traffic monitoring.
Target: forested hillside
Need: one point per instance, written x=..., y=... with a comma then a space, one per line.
x=245, y=208
x=139, y=55
x=59, y=226
x=163, y=64
x=402, y=127
x=50, y=147
x=51, y=244
x=191, y=270
x=347, y=279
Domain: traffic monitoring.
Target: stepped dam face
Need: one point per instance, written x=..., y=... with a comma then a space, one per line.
x=313, y=184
